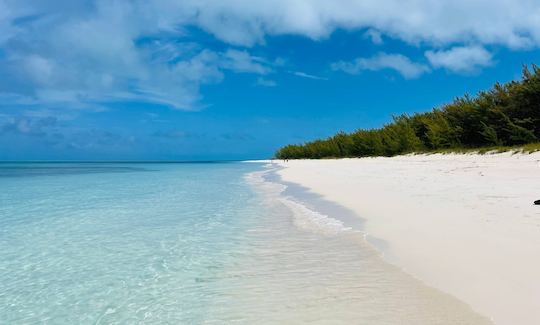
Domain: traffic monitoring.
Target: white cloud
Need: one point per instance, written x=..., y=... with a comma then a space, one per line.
x=460, y=59
x=77, y=52
x=242, y=61
x=306, y=75
x=397, y=62
x=374, y=35
x=71, y=55
x=513, y=23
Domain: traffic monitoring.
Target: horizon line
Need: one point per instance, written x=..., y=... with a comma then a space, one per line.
x=131, y=161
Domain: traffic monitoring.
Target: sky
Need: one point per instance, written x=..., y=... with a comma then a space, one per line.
x=237, y=79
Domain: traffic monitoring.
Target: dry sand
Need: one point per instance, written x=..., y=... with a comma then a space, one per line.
x=464, y=224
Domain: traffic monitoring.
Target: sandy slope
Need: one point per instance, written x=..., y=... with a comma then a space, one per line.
x=465, y=224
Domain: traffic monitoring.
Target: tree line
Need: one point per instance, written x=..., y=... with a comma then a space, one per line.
x=506, y=115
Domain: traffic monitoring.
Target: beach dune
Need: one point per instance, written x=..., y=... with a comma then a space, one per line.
x=462, y=223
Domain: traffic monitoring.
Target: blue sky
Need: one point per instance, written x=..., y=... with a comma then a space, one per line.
x=183, y=80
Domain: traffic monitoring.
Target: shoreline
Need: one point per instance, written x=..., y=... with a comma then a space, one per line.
x=462, y=223
x=408, y=300
x=316, y=202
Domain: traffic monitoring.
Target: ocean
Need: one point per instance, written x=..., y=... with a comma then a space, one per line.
x=191, y=243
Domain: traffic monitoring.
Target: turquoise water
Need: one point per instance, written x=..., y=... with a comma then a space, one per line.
x=201, y=243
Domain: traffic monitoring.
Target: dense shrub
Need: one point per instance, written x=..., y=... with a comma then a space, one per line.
x=506, y=115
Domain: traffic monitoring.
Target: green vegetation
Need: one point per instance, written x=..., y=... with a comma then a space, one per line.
x=505, y=117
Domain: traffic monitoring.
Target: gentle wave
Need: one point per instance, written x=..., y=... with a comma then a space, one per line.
x=304, y=217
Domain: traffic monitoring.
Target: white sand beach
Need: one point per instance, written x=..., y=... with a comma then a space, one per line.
x=464, y=224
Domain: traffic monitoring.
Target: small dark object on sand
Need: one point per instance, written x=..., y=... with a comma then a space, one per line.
x=537, y=202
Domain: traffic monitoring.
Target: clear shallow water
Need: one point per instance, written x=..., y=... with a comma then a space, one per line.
x=189, y=244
